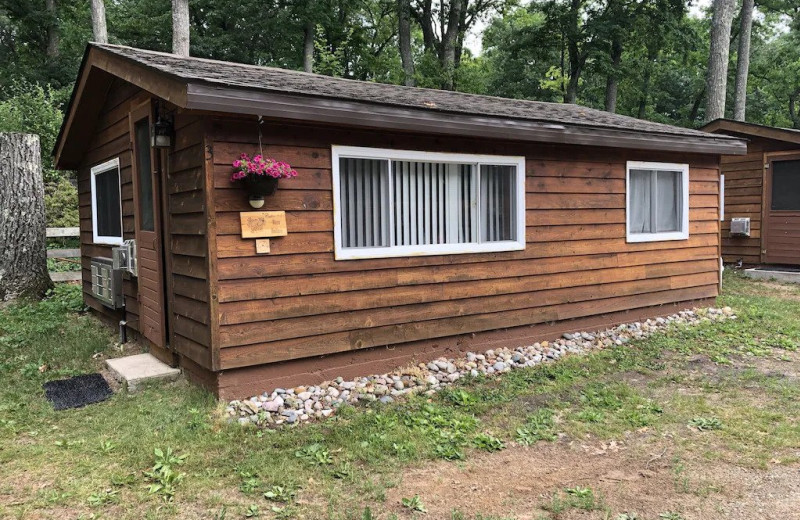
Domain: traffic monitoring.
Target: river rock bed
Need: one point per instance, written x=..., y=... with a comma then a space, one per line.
x=292, y=406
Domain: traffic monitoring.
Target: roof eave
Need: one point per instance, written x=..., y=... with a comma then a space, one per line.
x=202, y=96
x=753, y=130
x=95, y=58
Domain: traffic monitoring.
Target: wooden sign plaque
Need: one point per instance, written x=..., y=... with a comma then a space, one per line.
x=262, y=224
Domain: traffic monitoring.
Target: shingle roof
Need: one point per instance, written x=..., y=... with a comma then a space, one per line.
x=270, y=79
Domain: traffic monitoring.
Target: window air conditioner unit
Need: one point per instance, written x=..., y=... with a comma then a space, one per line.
x=107, y=283
x=125, y=258
x=740, y=227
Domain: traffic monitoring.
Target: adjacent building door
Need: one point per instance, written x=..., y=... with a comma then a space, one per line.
x=781, y=241
x=147, y=197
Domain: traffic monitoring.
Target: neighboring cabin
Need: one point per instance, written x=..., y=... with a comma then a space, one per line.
x=764, y=186
x=421, y=221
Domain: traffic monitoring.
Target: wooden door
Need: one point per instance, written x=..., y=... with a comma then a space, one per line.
x=147, y=201
x=781, y=227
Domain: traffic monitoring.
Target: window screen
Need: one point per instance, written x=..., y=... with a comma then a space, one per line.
x=419, y=206
x=107, y=213
x=656, y=199
x=786, y=185
x=144, y=175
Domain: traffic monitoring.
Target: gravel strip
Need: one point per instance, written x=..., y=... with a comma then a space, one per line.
x=293, y=406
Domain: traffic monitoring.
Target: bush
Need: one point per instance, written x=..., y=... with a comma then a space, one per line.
x=32, y=109
x=61, y=203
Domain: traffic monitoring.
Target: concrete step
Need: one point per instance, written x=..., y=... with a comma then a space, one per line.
x=762, y=273
x=134, y=370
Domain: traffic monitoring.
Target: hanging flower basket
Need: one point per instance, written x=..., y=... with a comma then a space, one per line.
x=260, y=175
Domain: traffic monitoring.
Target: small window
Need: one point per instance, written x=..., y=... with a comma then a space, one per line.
x=393, y=203
x=657, y=202
x=106, y=203
x=786, y=185
x=144, y=175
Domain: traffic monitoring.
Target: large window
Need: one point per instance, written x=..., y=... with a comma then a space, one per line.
x=392, y=203
x=657, y=202
x=106, y=205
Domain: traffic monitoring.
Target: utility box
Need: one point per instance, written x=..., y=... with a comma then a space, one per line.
x=125, y=258
x=740, y=227
x=107, y=283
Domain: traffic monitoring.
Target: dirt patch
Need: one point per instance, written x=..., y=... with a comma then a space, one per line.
x=638, y=477
x=786, y=291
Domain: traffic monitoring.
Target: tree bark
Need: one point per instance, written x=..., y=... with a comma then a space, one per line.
x=180, y=27
x=612, y=81
x=308, y=46
x=23, y=255
x=574, y=54
x=99, y=29
x=652, y=55
x=449, y=39
x=404, y=38
x=53, y=35
x=743, y=60
x=717, y=76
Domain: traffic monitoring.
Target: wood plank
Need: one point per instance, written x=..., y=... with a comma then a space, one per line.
x=344, y=341
x=63, y=232
x=66, y=276
x=63, y=253
x=526, y=288
x=278, y=286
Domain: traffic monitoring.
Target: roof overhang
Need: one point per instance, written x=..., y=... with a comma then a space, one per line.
x=97, y=71
x=743, y=128
x=374, y=116
x=99, y=67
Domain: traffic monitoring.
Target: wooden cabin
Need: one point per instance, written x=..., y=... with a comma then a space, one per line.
x=764, y=187
x=421, y=222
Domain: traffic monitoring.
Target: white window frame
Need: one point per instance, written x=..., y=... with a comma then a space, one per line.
x=663, y=236
x=96, y=170
x=358, y=152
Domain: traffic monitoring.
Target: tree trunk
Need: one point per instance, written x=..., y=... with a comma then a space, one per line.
x=449, y=39
x=52, y=29
x=180, y=27
x=717, y=77
x=743, y=60
x=23, y=256
x=612, y=81
x=404, y=37
x=793, y=112
x=573, y=52
x=308, y=46
x=99, y=30
x=426, y=23
x=652, y=55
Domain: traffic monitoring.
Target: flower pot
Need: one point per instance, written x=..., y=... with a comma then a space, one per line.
x=260, y=185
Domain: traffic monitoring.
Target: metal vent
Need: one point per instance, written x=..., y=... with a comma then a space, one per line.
x=107, y=282
x=740, y=227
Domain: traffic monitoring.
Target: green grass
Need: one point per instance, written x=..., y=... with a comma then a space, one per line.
x=100, y=459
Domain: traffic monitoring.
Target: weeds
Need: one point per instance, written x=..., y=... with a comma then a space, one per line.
x=414, y=504
x=163, y=478
x=705, y=423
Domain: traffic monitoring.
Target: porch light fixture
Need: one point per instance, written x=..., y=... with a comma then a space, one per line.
x=162, y=133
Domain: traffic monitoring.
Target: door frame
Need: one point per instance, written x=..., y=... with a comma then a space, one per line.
x=138, y=112
x=766, y=206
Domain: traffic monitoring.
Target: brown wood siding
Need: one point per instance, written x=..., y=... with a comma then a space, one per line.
x=745, y=181
x=187, y=275
x=187, y=243
x=110, y=139
x=298, y=301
